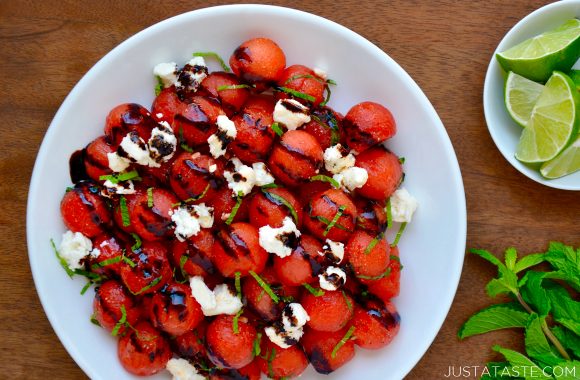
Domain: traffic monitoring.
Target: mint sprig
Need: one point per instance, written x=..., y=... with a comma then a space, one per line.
x=543, y=304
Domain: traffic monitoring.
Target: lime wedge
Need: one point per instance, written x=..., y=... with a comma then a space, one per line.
x=537, y=57
x=565, y=163
x=575, y=76
x=521, y=95
x=554, y=121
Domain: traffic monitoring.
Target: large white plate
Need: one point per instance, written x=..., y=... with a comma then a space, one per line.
x=433, y=245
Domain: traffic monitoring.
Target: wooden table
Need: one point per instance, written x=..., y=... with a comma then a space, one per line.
x=46, y=46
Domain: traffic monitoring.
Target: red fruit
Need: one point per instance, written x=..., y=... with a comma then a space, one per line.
x=301, y=266
x=324, y=208
x=191, y=344
x=153, y=223
x=237, y=249
x=325, y=126
x=191, y=177
x=296, y=158
x=319, y=346
x=268, y=207
x=96, y=159
x=145, y=351
x=166, y=105
x=149, y=271
x=223, y=204
x=366, y=260
x=282, y=362
x=388, y=286
x=328, y=312
x=376, y=324
x=84, y=210
x=197, y=251
x=110, y=298
x=174, y=310
x=371, y=216
x=302, y=79
x=108, y=263
x=231, y=99
x=367, y=124
x=259, y=61
x=127, y=118
x=196, y=120
x=226, y=348
x=384, y=170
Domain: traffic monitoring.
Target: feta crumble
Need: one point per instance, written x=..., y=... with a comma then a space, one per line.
x=263, y=176
x=124, y=187
x=163, y=143
x=204, y=215
x=74, y=248
x=219, y=301
x=167, y=72
x=332, y=278
x=289, y=331
x=334, y=249
x=337, y=159
x=181, y=369
x=291, y=113
x=352, y=178
x=294, y=316
x=242, y=180
x=403, y=205
x=135, y=149
x=117, y=163
x=225, y=134
x=280, y=241
x=189, y=219
x=212, y=168
x=191, y=75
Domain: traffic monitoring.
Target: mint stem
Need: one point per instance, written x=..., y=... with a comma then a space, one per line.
x=545, y=328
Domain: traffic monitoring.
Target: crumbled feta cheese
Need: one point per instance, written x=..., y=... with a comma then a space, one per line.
x=352, y=178
x=163, y=143
x=289, y=331
x=337, y=159
x=294, y=316
x=219, y=301
x=167, y=72
x=332, y=278
x=159, y=115
x=403, y=206
x=186, y=224
x=225, y=134
x=204, y=215
x=124, y=187
x=242, y=180
x=75, y=247
x=117, y=163
x=291, y=113
x=320, y=73
x=136, y=150
x=280, y=241
x=334, y=248
x=212, y=168
x=263, y=176
x=191, y=75
x=181, y=369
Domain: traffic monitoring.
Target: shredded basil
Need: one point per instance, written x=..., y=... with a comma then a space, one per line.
x=342, y=342
x=121, y=321
x=124, y=212
x=269, y=186
x=265, y=286
x=373, y=243
x=183, y=143
x=325, y=178
x=257, y=349
x=270, y=360
x=150, y=197
x=282, y=200
x=315, y=292
x=399, y=233
x=62, y=261
x=402, y=160
x=233, y=87
x=212, y=54
x=147, y=287
x=332, y=125
x=120, y=177
x=334, y=220
x=158, y=86
x=372, y=278
x=276, y=128
x=348, y=303
x=138, y=242
x=296, y=94
x=236, y=321
x=235, y=209
x=389, y=213
x=238, y=285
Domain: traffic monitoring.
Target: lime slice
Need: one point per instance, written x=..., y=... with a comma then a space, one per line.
x=565, y=163
x=521, y=95
x=575, y=76
x=554, y=121
x=538, y=57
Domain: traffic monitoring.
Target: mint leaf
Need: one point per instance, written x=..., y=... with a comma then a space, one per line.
x=511, y=255
x=563, y=306
x=569, y=370
x=487, y=256
x=566, y=261
x=528, y=262
x=493, y=318
x=570, y=324
x=533, y=292
x=518, y=360
x=568, y=339
x=507, y=281
x=537, y=346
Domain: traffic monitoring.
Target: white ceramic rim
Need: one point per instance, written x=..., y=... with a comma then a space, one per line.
x=487, y=109
x=455, y=182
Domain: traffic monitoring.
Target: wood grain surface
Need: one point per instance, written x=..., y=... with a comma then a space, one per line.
x=47, y=46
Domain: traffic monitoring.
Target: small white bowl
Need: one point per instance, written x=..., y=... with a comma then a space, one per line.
x=504, y=131
x=432, y=248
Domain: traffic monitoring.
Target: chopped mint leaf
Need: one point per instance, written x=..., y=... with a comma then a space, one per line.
x=278, y=199
x=296, y=94
x=276, y=128
x=325, y=178
x=211, y=54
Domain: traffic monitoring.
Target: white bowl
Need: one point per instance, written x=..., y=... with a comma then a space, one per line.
x=432, y=247
x=504, y=131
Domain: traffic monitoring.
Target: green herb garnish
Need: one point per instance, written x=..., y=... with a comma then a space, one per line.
x=62, y=261
x=283, y=201
x=183, y=143
x=257, y=349
x=373, y=243
x=269, y=186
x=265, y=286
x=193, y=199
x=182, y=261
x=325, y=178
x=399, y=233
x=121, y=321
x=120, y=177
x=373, y=278
x=348, y=303
x=124, y=211
x=270, y=360
x=342, y=342
x=332, y=125
x=94, y=320
x=211, y=54
x=158, y=86
x=238, y=284
x=334, y=220
x=235, y=209
x=236, y=321
x=104, y=263
x=315, y=292
x=296, y=94
x=150, y=197
x=389, y=213
x=149, y=286
x=276, y=128
x=544, y=305
x=138, y=242
x=401, y=160
x=233, y=87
